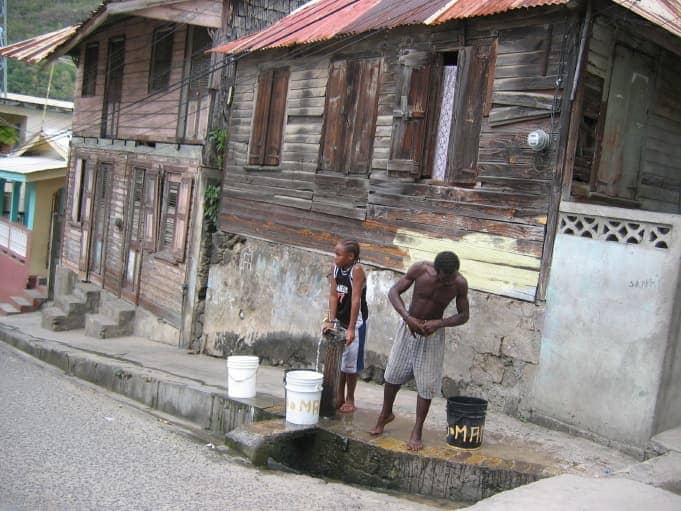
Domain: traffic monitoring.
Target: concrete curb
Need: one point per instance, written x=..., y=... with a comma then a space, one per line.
x=203, y=405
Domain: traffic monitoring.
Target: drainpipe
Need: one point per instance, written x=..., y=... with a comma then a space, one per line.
x=185, y=287
x=582, y=49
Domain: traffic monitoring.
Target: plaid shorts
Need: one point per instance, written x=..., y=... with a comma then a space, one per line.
x=419, y=356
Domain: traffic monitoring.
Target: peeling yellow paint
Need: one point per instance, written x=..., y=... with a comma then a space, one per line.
x=490, y=263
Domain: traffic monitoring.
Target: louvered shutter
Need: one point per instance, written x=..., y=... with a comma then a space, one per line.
x=150, y=209
x=182, y=210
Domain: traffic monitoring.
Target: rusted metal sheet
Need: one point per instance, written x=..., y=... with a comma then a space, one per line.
x=460, y=9
x=326, y=19
x=38, y=48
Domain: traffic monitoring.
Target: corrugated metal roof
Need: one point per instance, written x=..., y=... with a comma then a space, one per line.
x=321, y=20
x=37, y=48
x=663, y=13
x=460, y=9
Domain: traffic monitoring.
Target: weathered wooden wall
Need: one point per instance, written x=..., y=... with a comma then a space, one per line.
x=142, y=117
x=497, y=227
x=160, y=285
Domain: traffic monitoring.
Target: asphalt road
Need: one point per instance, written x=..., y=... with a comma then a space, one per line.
x=65, y=444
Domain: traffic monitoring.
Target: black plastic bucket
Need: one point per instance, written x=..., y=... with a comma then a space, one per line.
x=466, y=421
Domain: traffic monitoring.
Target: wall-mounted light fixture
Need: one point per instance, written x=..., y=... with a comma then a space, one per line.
x=538, y=140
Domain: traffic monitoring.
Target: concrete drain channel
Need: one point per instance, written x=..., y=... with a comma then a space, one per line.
x=339, y=449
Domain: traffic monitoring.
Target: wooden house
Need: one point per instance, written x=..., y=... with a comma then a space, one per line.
x=146, y=99
x=491, y=128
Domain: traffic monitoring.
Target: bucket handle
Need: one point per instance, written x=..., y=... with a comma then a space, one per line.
x=236, y=380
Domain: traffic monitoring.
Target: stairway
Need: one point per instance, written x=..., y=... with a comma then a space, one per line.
x=114, y=319
x=68, y=310
x=28, y=300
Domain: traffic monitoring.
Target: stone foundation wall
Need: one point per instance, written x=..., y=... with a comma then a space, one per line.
x=269, y=300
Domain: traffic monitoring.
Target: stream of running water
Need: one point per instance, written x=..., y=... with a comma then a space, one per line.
x=319, y=346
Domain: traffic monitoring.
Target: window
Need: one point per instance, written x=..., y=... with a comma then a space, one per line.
x=350, y=116
x=90, y=70
x=175, y=215
x=268, y=120
x=436, y=125
x=161, y=58
x=77, y=191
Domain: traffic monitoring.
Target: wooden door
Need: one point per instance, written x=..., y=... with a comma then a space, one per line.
x=626, y=120
x=86, y=209
x=113, y=87
x=134, y=235
x=98, y=225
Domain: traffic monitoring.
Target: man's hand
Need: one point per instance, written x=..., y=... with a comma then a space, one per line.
x=349, y=336
x=326, y=326
x=432, y=325
x=415, y=325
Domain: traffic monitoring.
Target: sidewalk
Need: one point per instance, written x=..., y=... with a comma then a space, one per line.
x=187, y=385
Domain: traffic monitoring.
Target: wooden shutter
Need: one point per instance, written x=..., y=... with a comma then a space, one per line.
x=277, y=111
x=420, y=86
x=256, y=152
x=77, y=190
x=361, y=127
x=150, y=209
x=334, y=118
x=473, y=64
x=182, y=218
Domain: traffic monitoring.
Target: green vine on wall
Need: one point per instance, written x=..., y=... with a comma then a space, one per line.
x=211, y=203
x=219, y=138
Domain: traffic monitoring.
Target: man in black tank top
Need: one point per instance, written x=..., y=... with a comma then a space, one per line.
x=348, y=305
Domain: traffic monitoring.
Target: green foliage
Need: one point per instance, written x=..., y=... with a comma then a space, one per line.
x=29, y=18
x=219, y=138
x=211, y=203
x=8, y=136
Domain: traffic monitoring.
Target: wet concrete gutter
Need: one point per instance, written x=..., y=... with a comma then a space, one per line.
x=339, y=449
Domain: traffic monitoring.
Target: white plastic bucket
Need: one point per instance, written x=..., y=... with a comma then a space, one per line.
x=241, y=371
x=303, y=396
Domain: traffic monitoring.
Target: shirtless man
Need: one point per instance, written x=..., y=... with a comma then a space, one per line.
x=418, y=349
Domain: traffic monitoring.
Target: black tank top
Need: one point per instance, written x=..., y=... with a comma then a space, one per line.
x=344, y=293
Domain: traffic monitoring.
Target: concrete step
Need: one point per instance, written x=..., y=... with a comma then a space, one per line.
x=72, y=305
x=88, y=293
x=119, y=310
x=7, y=309
x=104, y=327
x=54, y=318
x=663, y=472
x=38, y=295
x=22, y=303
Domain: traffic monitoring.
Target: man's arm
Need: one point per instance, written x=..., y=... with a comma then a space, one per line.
x=395, y=296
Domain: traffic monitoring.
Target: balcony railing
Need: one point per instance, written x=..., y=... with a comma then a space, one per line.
x=15, y=240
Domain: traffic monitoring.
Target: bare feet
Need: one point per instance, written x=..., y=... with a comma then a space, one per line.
x=414, y=443
x=347, y=407
x=380, y=424
x=339, y=403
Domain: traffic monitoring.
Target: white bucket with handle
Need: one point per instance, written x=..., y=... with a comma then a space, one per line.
x=241, y=373
x=303, y=396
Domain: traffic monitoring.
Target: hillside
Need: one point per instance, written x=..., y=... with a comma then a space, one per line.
x=28, y=18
